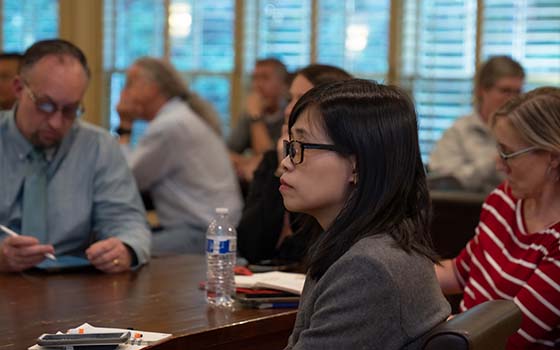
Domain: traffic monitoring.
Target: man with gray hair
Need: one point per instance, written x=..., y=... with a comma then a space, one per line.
x=65, y=184
x=181, y=160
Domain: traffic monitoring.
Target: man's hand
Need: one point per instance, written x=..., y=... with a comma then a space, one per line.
x=128, y=110
x=109, y=255
x=247, y=168
x=22, y=252
x=254, y=105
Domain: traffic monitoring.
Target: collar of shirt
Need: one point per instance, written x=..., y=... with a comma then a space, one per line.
x=21, y=147
x=16, y=140
x=479, y=124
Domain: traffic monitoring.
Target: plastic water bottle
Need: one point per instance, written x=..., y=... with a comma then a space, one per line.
x=221, y=246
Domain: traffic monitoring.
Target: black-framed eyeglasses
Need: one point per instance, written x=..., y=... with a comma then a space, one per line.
x=506, y=156
x=50, y=108
x=294, y=149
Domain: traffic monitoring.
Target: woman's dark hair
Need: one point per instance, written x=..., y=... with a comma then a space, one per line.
x=377, y=125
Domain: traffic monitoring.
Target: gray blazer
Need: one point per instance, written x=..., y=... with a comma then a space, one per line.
x=376, y=296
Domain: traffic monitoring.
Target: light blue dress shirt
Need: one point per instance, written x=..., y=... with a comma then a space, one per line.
x=91, y=192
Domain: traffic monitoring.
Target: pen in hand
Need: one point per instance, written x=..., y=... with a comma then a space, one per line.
x=15, y=234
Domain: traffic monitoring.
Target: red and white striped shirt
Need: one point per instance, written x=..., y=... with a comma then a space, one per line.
x=504, y=261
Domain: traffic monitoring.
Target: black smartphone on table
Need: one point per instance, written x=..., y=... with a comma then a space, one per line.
x=86, y=339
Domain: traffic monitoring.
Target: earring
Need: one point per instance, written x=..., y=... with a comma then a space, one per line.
x=355, y=179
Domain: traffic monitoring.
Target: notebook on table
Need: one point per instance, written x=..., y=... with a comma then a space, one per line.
x=283, y=281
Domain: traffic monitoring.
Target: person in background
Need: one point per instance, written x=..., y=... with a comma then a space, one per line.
x=467, y=150
x=65, y=184
x=360, y=291
x=515, y=253
x=9, y=68
x=266, y=229
x=181, y=160
x=260, y=126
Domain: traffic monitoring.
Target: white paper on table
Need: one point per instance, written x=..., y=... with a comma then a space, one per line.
x=148, y=338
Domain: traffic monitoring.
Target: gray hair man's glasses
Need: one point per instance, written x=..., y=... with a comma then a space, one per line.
x=294, y=149
x=506, y=156
x=50, y=108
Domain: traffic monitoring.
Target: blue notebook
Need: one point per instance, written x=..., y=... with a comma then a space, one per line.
x=64, y=263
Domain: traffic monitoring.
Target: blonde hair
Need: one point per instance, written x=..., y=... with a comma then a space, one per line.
x=536, y=116
x=171, y=84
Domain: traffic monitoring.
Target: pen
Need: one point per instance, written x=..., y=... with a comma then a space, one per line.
x=14, y=234
x=277, y=305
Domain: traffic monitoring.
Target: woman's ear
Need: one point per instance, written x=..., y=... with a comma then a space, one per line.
x=354, y=174
x=554, y=160
x=553, y=164
x=17, y=84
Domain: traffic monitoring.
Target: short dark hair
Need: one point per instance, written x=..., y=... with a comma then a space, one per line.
x=494, y=69
x=376, y=124
x=11, y=56
x=277, y=64
x=57, y=47
x=318, y=74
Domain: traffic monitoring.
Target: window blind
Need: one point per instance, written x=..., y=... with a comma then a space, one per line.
x=278, y=29
x=200, y=46
x=26, y=21
x=201, y=36
x=354, y=35
x=132, y=29
x=527, y=30
x=439, y=40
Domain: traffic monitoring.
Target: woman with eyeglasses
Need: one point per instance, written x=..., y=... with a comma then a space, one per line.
x=353, y=163
x=465, y=153
x=267, y=233
x=515, y=254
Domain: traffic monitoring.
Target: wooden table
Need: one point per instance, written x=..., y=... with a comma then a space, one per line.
x=161, y=297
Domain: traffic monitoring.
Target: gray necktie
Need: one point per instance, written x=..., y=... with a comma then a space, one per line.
x=34, y=209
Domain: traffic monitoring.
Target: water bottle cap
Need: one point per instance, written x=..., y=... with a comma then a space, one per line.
x=222, y=210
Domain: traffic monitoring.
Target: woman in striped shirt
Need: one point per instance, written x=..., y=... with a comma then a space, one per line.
x=515, y=253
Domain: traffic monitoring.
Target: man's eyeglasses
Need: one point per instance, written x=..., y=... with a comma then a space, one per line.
x=507, y=90
x=294, y=149
x=506, y=156
x=50, y=108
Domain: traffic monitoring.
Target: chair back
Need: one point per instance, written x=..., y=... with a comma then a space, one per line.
x=455, y=216
x=485, y=326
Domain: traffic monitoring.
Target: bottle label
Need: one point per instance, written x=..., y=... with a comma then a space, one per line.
x=215, y=246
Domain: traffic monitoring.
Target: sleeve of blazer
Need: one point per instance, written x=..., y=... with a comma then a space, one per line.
x=352, y=291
